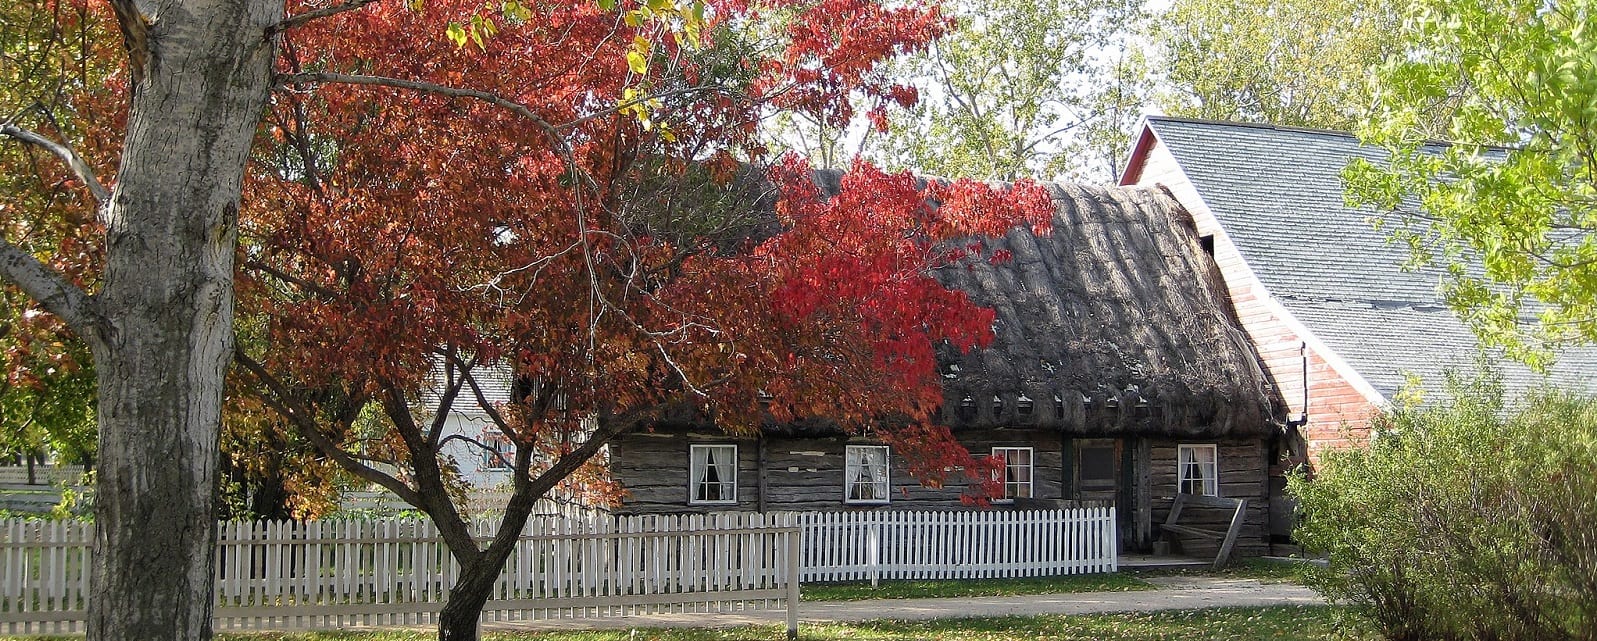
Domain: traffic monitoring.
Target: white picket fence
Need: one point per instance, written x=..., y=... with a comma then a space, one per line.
x=324, y=574
x=478, y=502
x=319, y=574
x=891, y=544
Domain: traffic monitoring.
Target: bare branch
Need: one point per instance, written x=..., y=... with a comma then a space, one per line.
x=550, y=131
x=285, y=277
x=300, y=19
x=497, y=455
x=53, y=292
x=79, y=167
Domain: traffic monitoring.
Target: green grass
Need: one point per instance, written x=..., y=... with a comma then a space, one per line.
x=860, y=591
x=1309, y=623
x=1261, y=570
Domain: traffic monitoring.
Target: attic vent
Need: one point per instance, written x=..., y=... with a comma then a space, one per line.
x=1059, y=407
x=1023, y=405
x=998, y=404
x=967, y=408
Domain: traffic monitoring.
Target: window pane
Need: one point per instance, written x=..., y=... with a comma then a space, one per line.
x=1097, y=465
x=1198, y=469
x=1016, y=471
x=712, y=475
x=865, y=475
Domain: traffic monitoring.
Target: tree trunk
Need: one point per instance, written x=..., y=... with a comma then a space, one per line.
x=167, y=300
x=458, y=620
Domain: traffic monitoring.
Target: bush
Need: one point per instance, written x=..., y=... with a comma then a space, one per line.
x=1470, y=519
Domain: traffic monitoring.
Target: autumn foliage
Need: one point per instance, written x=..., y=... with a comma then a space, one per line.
x=577, y=194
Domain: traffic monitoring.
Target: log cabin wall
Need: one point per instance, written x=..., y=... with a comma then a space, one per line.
x=807, y=473
x=1243, y=474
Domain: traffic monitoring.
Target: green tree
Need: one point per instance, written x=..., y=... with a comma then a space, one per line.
x=1285, y=62
x=1464, y=519
x=1028, y=88
x=1510, y=206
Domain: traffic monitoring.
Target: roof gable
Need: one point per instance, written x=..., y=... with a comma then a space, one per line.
x=1278, y=194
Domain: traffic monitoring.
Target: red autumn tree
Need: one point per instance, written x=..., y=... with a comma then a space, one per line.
x=448, y=186
x=582, y=216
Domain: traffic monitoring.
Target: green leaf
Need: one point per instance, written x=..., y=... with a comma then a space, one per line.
x=607, y=5
x=457, y=34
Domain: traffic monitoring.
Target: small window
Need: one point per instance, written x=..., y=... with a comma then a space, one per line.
x=497, y=453
x=713, y=474
x=1207, y=242
x=1015, y=472
x=1198, y=470
x=1095, y=465
x=865, y=477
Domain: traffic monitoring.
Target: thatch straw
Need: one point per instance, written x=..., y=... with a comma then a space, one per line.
x=1116, y=323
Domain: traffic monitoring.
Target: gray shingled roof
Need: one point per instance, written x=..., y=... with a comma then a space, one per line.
x=1278, y=193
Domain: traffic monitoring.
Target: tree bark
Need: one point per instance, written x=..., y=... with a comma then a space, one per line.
x=167, y=309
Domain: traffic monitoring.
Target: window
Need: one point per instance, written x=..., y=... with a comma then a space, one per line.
x=1095, y=465
x=1198, y=470
x=1015, y=473
x=713, y=474
x=865, y=477
x=499, y=452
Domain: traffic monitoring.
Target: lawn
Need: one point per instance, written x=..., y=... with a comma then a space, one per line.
x=1261, y=570
x=859, y=591
x=1320, y=623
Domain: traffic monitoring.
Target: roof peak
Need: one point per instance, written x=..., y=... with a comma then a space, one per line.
x=1153, y=119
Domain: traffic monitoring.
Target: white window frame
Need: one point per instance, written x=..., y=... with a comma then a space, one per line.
x=866, y=468
x=1198, y=464
x=498, y=456
x=699, y=460
x=1003, y=475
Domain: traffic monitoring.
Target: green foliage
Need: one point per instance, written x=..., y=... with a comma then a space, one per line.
x=1465, y=520
x=1508, y=208
x=1284, y=62
x=1025, y=88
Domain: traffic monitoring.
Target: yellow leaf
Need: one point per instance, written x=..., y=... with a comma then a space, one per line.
x=637, y=62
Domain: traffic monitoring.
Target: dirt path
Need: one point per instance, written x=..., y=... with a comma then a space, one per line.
x=1173, y=593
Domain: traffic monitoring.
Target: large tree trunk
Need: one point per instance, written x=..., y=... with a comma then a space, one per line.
x=458, y=619
x=167, y=300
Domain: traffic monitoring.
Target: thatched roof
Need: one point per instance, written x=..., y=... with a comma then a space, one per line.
x=1115, y=323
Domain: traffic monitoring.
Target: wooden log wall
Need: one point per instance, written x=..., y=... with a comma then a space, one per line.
x=1244, y=474
x=807, y=473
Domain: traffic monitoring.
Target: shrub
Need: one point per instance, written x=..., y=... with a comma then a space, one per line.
x=1470, y=519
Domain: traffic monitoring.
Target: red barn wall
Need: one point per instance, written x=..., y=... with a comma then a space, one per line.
x=1339, y=404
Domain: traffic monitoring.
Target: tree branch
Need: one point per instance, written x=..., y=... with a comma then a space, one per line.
x=279, y=400
x=79, y=167
x=550, y=131
x=53, y=292
x=300, y=19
